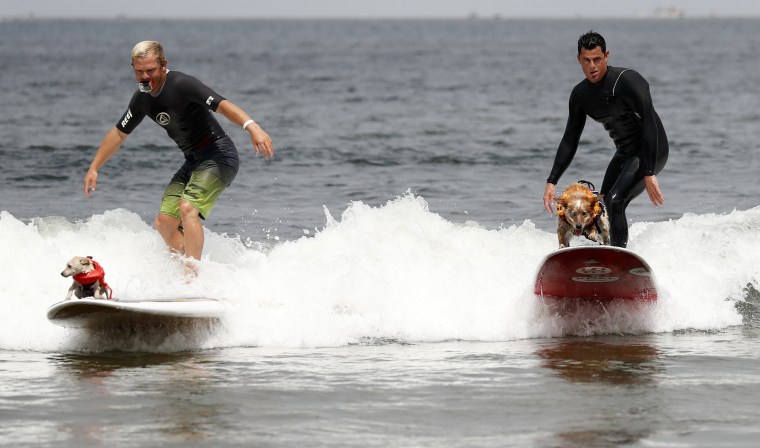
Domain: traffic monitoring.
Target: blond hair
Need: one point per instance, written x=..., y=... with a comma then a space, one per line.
x=149, y=48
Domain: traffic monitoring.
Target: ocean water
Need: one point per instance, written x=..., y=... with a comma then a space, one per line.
x=379, y=268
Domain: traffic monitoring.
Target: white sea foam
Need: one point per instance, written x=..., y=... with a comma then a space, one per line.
x=395, y=272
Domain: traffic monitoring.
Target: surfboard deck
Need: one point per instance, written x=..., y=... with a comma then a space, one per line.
x=600, y=273
x=101, y=313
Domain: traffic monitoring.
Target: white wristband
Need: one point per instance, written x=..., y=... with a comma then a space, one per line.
x=245, y=125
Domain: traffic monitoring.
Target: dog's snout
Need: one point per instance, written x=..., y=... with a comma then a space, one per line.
x=578, y=227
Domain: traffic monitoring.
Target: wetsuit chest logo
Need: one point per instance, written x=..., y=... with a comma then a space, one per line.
x=163, y=119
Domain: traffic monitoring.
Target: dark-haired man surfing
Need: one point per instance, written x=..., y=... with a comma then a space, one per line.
x=619, y=98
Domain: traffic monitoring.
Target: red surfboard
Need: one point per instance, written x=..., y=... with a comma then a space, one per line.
x=595, y=273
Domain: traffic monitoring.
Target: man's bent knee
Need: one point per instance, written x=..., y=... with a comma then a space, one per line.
x=166, y=224
x=188, y=210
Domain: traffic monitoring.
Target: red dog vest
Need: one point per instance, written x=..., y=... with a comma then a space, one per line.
x=88, y=278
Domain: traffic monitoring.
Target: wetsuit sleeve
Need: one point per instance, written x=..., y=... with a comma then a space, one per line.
x=132, y=117
x=569, y=145
x=198, y=92
x=634, y=90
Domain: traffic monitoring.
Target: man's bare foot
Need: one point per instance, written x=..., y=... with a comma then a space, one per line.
x=191, y=270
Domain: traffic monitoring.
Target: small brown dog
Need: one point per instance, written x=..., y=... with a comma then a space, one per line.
x=89, y=279
x=581, y=212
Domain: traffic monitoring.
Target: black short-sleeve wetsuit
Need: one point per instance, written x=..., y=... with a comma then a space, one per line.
x=621, y=101
x=182, y=108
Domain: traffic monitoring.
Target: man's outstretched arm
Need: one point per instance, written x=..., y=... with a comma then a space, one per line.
x=260, y=140
x=108, y=147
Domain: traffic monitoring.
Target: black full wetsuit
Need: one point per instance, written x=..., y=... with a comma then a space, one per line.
x=623, y=104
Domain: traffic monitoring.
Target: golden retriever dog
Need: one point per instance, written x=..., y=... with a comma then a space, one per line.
x=581, y=212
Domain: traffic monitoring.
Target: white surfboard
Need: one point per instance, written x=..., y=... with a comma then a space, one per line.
x=101, y=313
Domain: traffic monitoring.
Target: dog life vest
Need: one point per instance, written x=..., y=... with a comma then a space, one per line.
x=87, y=279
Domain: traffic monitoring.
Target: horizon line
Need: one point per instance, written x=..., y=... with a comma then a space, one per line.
x=475, y=17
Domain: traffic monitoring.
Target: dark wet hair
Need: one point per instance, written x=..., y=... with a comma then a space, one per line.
x=591, y=40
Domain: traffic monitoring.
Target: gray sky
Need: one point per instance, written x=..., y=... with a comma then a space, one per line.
x=368, y=8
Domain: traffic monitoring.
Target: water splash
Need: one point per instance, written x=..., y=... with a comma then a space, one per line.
x=396, y=272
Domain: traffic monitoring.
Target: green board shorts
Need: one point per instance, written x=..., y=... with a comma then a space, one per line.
x=202, y=178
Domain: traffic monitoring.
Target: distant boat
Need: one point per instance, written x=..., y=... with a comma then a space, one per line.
x=668, y=12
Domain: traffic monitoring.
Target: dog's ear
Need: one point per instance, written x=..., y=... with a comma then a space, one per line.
x=597, y=207
x=560, y=203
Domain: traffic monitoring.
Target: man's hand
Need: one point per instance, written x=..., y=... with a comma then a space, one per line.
x=90, y=182
x=549, y=192
x=653, y=190
x=261, y=141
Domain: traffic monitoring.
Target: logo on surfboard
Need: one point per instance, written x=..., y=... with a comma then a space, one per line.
x=640, y=271
x=594, y=274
